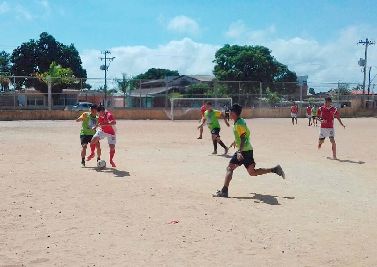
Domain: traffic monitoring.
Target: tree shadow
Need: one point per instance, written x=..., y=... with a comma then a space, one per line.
x=116, y=172
x=347, y=161
x=267, y=199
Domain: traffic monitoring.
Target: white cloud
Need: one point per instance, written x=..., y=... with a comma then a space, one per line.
x=186, y=56
x=183, y=24
x=322, y=61
x=4, y=7
x=22, y=13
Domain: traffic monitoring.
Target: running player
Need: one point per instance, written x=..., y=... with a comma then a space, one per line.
x=89, y=120
x=326, y=115
x=211, y=116
x=202, y=111
x=309, y=114
x=106, y=128
x=244, y=155
x=314, y=115
x=294, y=111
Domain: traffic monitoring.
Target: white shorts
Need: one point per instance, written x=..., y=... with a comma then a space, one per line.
x=327, y=132
x=293, y=115
x=111, y=139
x=308, y=116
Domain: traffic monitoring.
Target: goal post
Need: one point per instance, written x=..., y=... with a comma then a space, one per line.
x=181, y=106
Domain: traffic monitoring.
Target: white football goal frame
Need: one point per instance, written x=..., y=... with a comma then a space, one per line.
x=212, y=99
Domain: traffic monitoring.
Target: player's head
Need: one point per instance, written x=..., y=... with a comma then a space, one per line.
x=101, y=110
x=328, y=101
x=235, y=111
x=93, y=109
x=209, y=105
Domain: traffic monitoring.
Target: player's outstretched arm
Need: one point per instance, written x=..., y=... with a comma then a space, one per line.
x=340, y=121
x=203, y=121
x=224, y=118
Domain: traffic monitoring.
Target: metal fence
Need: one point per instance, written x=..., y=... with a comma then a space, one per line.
x=32, y=93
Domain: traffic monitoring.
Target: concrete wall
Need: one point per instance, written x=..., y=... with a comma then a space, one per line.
x=162, y=114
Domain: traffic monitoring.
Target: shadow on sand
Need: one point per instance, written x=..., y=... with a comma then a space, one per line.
x=347, y=161
x=267, y=199
x=116, y=172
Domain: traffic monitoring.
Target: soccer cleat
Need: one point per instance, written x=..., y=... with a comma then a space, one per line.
x=112, y=164
x=220, y=193
x=279, y=171
x=90, y=157
x=214, y=153
x=82, y=163
x=226, y=151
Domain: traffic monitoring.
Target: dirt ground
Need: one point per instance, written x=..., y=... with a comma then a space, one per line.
x=157, y=208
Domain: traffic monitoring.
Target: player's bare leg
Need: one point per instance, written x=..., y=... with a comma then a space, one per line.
x=293, y=121
x=93, y=144
x=112, y=153
x=200, y=133
x=228, y=177
x=83, y=154
x=255, y=172
x=98, y=147
x=223, y=145
x=333, y=147
x=320, y=143
x=214, y=141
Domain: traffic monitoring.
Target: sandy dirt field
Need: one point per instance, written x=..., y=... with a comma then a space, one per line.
x=55, y=213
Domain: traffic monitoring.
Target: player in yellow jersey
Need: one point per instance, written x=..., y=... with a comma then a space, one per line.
x=244, y=155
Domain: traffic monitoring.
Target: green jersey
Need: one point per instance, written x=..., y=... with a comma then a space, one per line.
x=240, y=128
x=314, y=111
x=88, y=122
x=212, y=118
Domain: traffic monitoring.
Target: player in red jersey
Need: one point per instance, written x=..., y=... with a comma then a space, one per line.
x=202, y=111
x=309, y=114
x=294, y=111
x=326, y=115
x=106, y=128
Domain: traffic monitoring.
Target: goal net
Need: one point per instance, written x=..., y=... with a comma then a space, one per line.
x=187, y=108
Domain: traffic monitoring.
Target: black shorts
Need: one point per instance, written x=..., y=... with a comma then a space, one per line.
x=85, y=139
x=314, y=117
x=216, y=131
x=248, y=159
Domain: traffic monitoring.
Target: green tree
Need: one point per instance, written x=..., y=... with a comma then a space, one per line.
x=311, y=91
x=124, y=86
x=272, y=97
x=5, y=65
x=36, y=56
x=58, y=76
x=250, y=63
x=156, y=73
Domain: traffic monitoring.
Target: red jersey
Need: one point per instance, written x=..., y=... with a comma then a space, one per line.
x=294, y=109
x=309, y=110
x=328, y=114
x=108, y=117
x=203, y=109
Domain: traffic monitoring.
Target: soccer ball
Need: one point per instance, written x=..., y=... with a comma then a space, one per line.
x=101, y=164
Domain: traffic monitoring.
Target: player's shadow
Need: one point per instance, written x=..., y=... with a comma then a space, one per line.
x=267, y=199
x=347, y=161
x=116, y=172
x=225, y=156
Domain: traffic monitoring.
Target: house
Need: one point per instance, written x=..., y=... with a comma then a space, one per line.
x=155, y=93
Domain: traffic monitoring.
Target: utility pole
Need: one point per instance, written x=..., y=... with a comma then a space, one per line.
x=366, y=43
x=105, y=67
x=369, y=81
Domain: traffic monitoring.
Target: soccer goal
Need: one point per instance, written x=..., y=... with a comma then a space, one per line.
x=181, y=107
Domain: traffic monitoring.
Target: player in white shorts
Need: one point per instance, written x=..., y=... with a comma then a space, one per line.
x=106, y=123
x=326, y=115
x=294, y=111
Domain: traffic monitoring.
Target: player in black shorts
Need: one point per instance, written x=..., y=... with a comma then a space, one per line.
x=244, y=155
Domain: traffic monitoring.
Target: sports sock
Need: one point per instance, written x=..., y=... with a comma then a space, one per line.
x=112, y=153
x=92, y=148
x=82, y=160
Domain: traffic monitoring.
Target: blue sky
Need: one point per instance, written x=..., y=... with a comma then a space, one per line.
x=312, y=37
